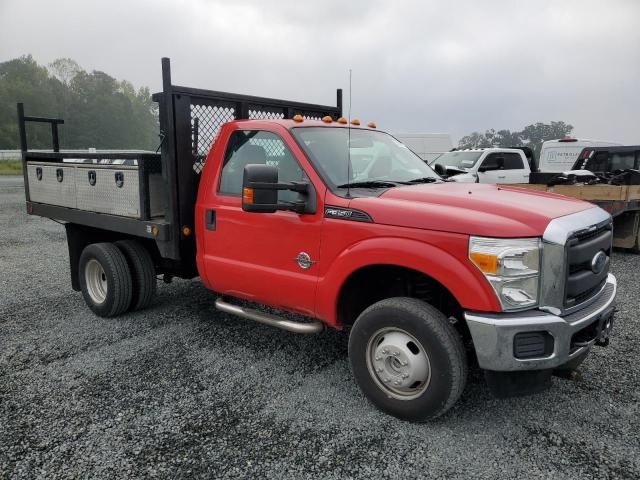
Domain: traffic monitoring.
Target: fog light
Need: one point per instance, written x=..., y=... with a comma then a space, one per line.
x=532, y=345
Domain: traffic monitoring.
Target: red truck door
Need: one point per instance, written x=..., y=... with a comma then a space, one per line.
x=265, y=257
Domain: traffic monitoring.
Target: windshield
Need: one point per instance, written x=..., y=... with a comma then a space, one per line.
x=461, y=160
x=375, y=156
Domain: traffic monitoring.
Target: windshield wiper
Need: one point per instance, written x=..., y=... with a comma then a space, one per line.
x=424, y=180
x=370, y=184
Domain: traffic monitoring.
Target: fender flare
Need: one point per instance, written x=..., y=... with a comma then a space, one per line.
x=467, y=284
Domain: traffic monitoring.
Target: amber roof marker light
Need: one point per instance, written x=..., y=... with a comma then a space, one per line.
x=298, y=118
x=371, y=124
x=355, y=122
x=327, y=119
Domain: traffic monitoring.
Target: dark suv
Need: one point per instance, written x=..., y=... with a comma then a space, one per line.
x=608, y=159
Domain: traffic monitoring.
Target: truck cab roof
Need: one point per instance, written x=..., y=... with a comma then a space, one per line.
x=490, y=150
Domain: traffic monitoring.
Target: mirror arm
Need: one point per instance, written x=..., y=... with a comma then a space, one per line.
x=301, y=187
x=298, y=207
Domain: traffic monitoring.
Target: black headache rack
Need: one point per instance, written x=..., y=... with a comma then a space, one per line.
x=167, y=183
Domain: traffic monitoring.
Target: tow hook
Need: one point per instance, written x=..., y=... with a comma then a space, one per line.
x=604, y=329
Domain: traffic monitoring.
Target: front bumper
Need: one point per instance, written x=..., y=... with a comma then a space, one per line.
x=494, y=335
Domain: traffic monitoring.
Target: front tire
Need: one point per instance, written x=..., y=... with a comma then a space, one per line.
x=105, y=279
x=407, y=358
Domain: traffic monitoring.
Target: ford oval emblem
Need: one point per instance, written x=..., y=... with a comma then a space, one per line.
x=598, y=262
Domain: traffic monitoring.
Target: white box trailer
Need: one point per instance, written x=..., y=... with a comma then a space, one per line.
x=428, y=146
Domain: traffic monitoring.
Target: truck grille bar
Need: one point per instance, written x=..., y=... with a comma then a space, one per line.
x=585, y=276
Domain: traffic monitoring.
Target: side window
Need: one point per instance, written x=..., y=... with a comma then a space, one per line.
x=248, y=147
x=622, y=161
x=598, y=163
x=492, y=160
x=513, y=161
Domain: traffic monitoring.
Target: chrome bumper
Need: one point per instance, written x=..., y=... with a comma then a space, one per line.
x=493, y=334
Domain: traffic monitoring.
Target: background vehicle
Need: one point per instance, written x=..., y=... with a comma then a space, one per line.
x=414, y=268
x=608, y=160
x=485, y=165
x=560, y=155
x=614, y=186
x=428, y=146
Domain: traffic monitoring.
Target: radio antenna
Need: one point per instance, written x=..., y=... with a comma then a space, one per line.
x=349, y=141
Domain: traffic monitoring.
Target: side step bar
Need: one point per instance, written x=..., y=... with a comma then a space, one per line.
x=268, y=319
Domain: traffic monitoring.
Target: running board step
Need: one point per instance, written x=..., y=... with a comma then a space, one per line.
x=268, y=319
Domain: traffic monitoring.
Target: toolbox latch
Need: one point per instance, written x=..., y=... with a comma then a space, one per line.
x=119, y=179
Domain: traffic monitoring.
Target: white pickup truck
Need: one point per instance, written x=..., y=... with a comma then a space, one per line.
x=484, y=165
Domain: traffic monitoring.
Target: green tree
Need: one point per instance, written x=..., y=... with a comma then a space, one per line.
x=23, y=80
x=538, y=133
x=531, y=136
x=99, y=111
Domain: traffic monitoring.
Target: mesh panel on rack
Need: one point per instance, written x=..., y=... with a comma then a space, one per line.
x=265, y=115
x=205, y=123
x=273, y=147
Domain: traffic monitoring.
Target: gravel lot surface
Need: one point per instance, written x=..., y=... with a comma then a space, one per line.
x=181, y=391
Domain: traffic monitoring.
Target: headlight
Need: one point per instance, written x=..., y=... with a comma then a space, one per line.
x=512, y=266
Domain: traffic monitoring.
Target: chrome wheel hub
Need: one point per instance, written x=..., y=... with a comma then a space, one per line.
x=96, y=281
x=398, y=363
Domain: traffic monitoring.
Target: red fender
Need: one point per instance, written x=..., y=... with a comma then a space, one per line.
x=455, y=273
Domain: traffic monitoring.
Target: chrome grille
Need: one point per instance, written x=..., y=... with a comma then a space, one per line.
x=582, y=282
x=567, y=252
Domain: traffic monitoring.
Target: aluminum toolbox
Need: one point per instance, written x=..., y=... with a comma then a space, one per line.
x=105, y=189
x=52, y=184
x=115, y=187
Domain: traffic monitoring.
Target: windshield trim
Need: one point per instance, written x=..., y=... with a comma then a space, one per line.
x=342, y=191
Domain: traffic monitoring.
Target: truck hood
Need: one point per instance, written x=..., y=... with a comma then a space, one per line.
x=472, y=209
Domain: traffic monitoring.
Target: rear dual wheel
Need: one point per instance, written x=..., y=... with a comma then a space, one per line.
x=116, y=277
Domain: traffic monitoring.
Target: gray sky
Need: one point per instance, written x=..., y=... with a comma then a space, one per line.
x=418, y=66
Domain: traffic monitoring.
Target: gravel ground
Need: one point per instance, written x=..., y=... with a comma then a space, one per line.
x=181, y=391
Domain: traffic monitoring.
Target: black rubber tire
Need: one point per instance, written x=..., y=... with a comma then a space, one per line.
x=636, y=245
x=118, y=278
x=441, y=342
x=143, y=273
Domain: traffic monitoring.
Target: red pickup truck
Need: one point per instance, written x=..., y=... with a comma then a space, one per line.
x=297, y=209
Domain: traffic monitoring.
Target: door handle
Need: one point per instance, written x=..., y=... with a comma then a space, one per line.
x=210, y=219
x=502, y=176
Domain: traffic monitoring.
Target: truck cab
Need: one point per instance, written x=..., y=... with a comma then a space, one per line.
x=301, y=219
x=484, y=165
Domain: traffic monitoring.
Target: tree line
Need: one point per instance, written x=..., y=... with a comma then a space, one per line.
x=103, y=112
x=98, y=110
x=531, y=136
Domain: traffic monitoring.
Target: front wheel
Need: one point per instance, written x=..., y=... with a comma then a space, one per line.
x=407, y=358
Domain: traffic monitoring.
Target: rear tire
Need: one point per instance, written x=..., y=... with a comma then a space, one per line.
x=407, y=358
x=143, y=273
x=105, y=279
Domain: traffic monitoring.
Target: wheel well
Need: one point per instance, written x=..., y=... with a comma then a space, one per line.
x=80, y=236
x=373, y=283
